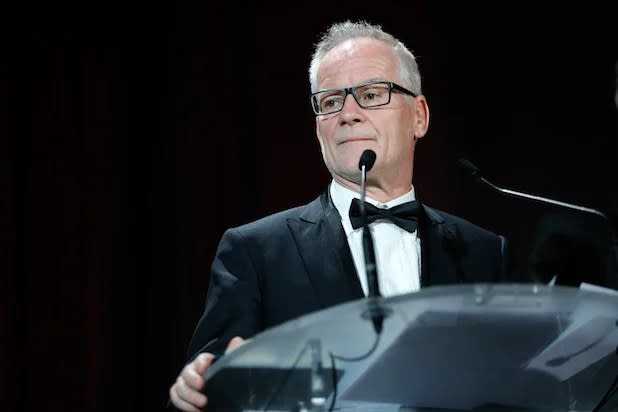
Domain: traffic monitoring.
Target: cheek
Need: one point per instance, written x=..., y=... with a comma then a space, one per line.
x=325, y=133
x=400, y=138
x=324, y=124
x=405, y=130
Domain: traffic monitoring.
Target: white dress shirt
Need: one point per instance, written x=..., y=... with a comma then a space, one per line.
x=397, y=251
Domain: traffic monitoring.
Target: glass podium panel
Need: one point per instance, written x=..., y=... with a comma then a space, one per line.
x=483, y=347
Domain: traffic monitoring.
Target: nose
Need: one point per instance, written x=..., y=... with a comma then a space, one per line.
x=351, y=112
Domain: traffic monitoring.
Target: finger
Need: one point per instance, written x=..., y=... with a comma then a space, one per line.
x=180, y=403
x=234, y=343
x=193, y=379
x=202, y=362
x=191, y=396
x=194, y=371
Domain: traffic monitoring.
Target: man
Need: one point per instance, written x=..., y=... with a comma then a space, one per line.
x=366, y=95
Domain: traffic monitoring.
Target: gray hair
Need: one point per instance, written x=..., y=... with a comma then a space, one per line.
x=340, y=32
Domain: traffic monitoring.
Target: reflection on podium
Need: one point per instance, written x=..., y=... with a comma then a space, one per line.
x=465, y=347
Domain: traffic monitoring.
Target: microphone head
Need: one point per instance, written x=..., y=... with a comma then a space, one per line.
x=468, y=167
x=367, y=159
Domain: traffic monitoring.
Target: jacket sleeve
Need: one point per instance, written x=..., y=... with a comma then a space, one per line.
x=233, y=304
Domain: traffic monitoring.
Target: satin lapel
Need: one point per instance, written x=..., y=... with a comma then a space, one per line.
x=325, y=252
x=440, y=250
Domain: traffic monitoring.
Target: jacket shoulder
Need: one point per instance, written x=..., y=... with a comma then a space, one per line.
x=276, y=222
x=464, y=226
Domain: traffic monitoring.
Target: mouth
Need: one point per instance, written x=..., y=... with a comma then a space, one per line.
x=356, y=139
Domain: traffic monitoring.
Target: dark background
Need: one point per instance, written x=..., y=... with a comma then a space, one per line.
x=133, y=135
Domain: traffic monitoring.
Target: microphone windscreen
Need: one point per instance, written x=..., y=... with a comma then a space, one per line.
x=367, y=159
x=468, y=167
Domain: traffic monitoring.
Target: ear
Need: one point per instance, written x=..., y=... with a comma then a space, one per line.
x=421, y=117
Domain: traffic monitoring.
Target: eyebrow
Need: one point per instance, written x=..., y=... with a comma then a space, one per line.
x=373, y=79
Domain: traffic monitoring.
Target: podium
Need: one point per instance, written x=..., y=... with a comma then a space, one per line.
x=485, y=347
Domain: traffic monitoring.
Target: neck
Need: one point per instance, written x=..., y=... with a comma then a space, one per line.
x=378, y=191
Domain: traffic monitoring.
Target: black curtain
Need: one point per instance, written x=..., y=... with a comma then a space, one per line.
x=134, y=134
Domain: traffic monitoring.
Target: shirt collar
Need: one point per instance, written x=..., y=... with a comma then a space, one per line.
x=342, y=198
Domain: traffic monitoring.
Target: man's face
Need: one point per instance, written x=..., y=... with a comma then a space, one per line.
x=391, y=131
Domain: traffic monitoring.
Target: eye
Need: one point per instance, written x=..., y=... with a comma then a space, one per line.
x=331, y=101
x=373, y=94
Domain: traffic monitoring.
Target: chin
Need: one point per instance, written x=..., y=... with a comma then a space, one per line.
x=353, y=153
x=350, y=174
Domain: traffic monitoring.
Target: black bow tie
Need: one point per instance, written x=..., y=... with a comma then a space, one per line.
x=405, y=215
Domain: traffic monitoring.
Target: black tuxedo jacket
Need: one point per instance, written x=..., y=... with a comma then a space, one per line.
x=298, y=261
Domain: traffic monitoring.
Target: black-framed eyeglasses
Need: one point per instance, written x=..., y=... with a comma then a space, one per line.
x=367, y=95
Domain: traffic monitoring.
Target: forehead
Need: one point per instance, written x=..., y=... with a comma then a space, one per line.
x=358, y=60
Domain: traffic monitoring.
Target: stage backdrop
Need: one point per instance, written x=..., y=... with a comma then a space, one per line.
x=133, y=135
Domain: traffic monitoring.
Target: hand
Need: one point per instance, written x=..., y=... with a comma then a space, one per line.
x=186, y=393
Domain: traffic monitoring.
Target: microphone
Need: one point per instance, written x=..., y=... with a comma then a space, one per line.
x=471, y=170
x=365, y=164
